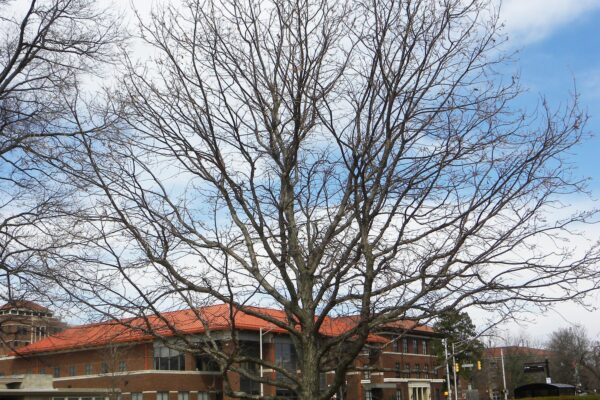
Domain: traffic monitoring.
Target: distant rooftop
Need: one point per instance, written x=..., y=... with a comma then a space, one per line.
x=514, y=350
x=24, y=305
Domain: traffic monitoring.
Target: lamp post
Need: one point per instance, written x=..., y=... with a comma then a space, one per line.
x=260, y=346
x=503, y=374
x=447, y=369
x=454, y=369
x=260, y=349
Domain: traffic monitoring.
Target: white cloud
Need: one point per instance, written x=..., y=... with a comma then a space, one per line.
x=529, y=21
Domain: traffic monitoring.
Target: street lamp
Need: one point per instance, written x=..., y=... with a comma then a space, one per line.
x=260, y=346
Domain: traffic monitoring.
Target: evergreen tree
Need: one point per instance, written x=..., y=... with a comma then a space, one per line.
x=458, y=328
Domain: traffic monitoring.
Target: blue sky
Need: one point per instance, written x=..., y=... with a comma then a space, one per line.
x=559, y=45
x=568, y=53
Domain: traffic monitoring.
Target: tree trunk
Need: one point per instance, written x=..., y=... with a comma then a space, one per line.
x=309, y=369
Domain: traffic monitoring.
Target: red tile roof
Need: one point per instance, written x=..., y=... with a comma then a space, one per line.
x=25, y=305
x=177, y=322
x=404, y=325
x=410, y=326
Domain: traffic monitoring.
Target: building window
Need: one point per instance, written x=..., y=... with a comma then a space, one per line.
x=162, y=396
x=368, y=395
x=166, y=358
x=417, y=371
x=398, y=394
x=122, y=366
x=71, y=371
x=56, y=372
x=396, y=345
x=251, y=350
x=205, y=362
x=425, y=371
x=88, y=369
x=415, y=348
x=405, y=345
x=40, y=331
x=285, y=355
x=397, y=368
x=22, y=330
x=322, y=381
x=407, y=369
x=104, y=368
x=424, y=347
x=283, y=393
x=247, y=385
x=137, y=396
x=42, y=370
x=183, y=396
x=202, y=396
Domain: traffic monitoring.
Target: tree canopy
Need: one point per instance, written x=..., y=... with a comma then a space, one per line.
x=362, y=159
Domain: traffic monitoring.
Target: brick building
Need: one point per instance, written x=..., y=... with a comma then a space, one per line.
x=506, y=363
x=41, y=387
x=23, y=322
x=140, y=367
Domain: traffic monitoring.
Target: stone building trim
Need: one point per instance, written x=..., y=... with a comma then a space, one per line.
x=139, y=372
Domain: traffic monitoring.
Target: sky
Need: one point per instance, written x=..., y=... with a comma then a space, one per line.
x=558, y=50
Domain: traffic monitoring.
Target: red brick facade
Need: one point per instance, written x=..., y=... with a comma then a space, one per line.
x=24, y=322
x=398, y=371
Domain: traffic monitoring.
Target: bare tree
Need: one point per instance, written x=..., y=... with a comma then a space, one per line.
x=113, y=363
x=46, y=47
x=361, y=159
x=519, y=350
x=575, y=357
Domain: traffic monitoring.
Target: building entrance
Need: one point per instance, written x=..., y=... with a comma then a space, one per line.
x=419, y=391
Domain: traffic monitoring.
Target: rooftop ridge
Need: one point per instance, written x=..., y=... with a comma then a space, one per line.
x=183, y=321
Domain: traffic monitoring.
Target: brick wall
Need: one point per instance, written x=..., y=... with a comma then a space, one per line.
x=138, y=375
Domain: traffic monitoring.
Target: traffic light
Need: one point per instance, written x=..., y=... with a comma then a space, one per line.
x=478, y=365
x=457, y=367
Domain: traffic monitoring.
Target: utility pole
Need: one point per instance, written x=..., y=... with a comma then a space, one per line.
x=503, y=374
x=454, y=369
x=447, y=369
x=260, y=345
x=547, y=368
x=261, y=333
